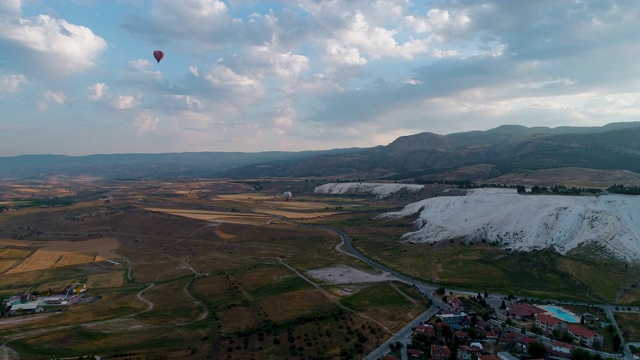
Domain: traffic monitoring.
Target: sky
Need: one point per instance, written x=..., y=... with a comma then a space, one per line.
x=78, y=77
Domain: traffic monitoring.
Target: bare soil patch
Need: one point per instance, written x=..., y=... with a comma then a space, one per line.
x=347, y=275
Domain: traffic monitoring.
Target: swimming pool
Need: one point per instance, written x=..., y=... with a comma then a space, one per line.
x=560, y=313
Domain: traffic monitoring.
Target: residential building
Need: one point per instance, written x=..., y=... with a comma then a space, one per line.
x=548, y=323
x=524, y=311
x=561, y=349
x=584, y=336
x=425, y=329
x=455, y=319
x=487, y=357
x=440, y=352
x=503, y=355
x=524, y=342
x=414, y=353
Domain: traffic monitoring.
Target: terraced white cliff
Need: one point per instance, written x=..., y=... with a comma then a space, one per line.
x=381, y=190
x=526, y=222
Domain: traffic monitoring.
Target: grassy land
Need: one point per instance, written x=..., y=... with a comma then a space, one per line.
x=629, y=323
x=244, y=301
x=545, y=274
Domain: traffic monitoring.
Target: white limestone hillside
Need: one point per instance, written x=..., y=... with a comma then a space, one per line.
x=526, y=222
x=381, y=190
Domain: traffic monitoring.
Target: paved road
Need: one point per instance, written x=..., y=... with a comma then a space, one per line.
x=402, y=335
x=628, y=355
x=426, y=289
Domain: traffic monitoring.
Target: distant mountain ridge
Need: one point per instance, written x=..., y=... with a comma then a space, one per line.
x=615, y=146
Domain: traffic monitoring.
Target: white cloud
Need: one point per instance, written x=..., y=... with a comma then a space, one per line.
x=57, y=97
x=10, y=8
x=142, y=69
x=284, y=120
x=182, y=102
x=10, y=83
x=122, y=102
x=266, y=60
x=52, y=43
x=444, y=53
x=146, y=123
x=99, y=90
x=223, y=76
x=340, y=54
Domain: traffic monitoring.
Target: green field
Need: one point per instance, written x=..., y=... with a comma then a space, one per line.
x=221, y=290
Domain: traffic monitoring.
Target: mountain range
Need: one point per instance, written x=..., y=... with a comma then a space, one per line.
x=507, y=148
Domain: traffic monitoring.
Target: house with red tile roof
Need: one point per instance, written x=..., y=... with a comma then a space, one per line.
x=487, y=357
x=425, y=329
x=490, y=335
x=467, y=352
x=561, y=349
x=509, y=338
x=414, y=353
x=389, y=357
x=440, y=352
x=584, y=336
x=524, y=311
x=524, y=342
x=548, y=323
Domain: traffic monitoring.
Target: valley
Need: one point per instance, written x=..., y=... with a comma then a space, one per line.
x=203, y=267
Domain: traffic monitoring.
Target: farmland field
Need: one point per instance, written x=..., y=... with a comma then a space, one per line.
x=216, y=269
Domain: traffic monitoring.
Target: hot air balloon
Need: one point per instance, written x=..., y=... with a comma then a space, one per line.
x=287, y=195
x=158, y=55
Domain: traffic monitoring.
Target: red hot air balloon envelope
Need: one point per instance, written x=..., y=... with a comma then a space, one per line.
x=158, y=55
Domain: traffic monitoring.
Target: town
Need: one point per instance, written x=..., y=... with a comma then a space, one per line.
x=483, y=327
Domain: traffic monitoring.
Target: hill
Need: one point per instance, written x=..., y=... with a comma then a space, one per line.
x=423, y=157
x=530, y=222
x=420, y=156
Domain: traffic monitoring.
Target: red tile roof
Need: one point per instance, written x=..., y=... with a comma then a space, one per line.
x=525, y=310
x=440, y=350
x=425, y=329
x=562, y=344
x=549, y=320
x=414, y=352
x=490, y=335
x=487, y=357
x=526, y=340
x=580, y=331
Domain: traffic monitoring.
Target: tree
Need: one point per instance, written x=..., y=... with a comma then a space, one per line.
x=536, y=350
x=580, y=354
x=616, y=343
x=503, y=305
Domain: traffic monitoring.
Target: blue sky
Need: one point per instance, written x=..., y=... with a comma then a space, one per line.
x=78, y=76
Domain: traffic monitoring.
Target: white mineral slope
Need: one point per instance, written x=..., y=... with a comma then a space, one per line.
x=381, y=190
x=527, y=222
